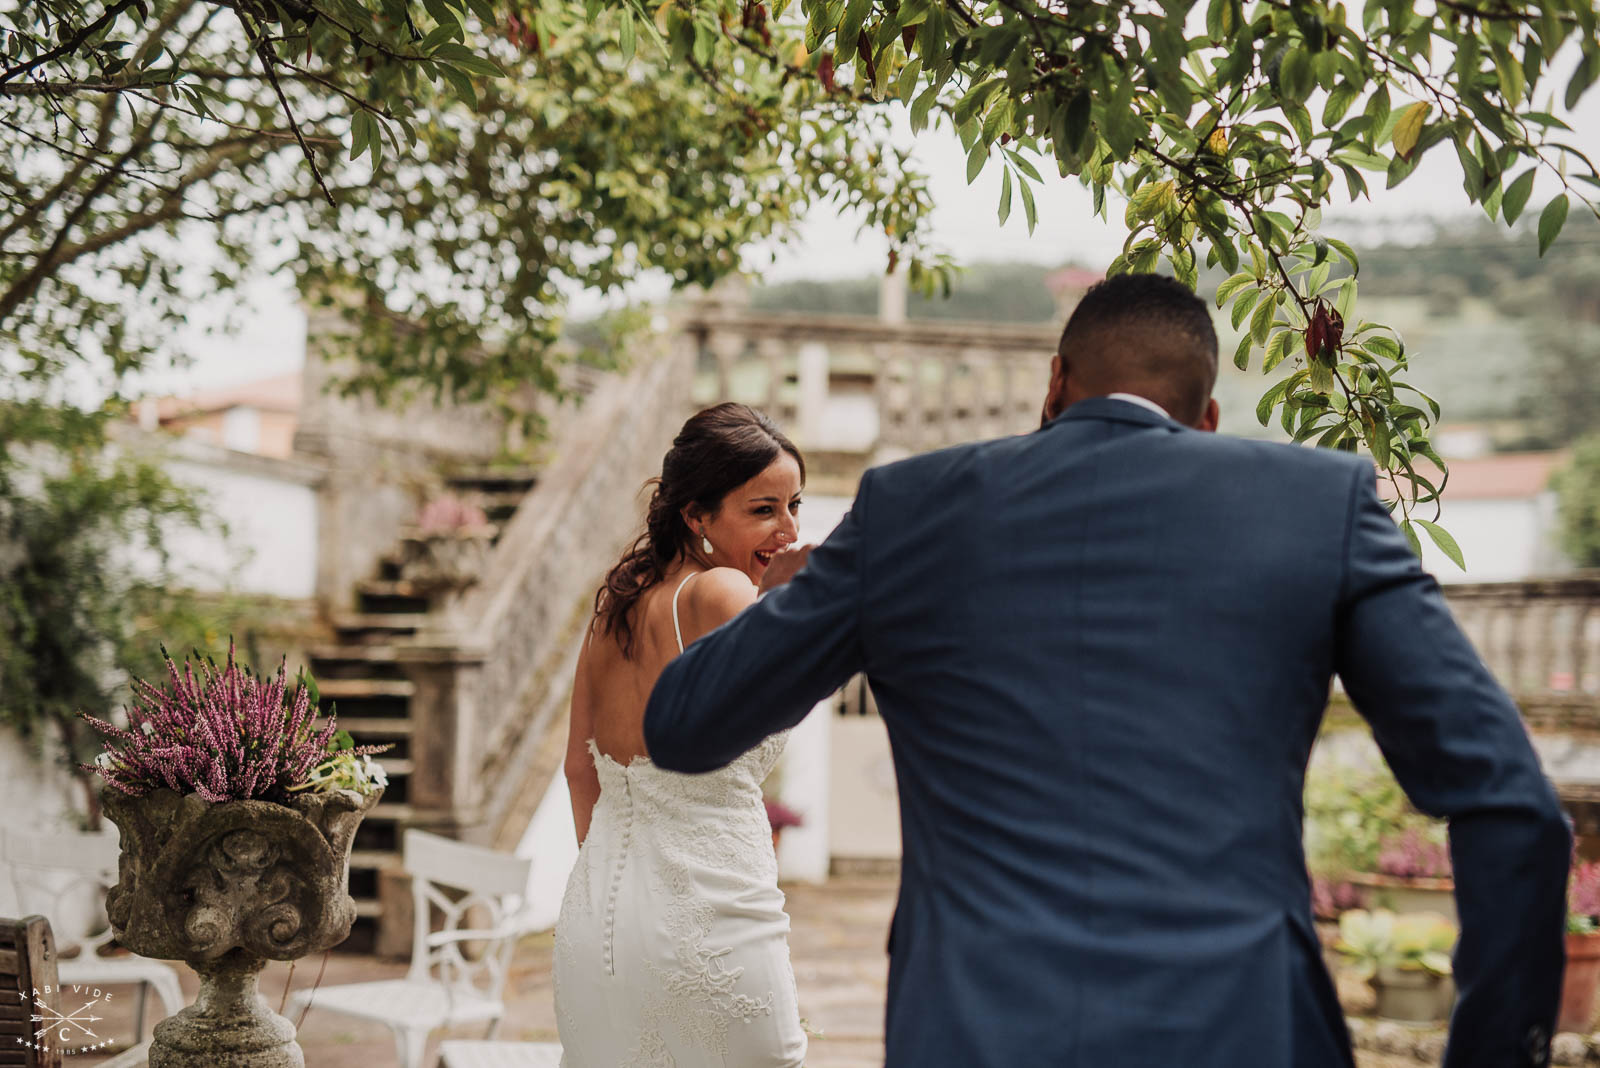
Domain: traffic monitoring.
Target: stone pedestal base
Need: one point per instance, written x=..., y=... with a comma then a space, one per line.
x=230, y=1024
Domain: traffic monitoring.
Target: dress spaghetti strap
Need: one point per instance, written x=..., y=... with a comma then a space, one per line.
x=676, y=629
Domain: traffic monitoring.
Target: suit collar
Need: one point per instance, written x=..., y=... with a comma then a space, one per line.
x=1118, y=411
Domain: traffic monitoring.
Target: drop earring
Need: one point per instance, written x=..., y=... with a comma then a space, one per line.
x=705, y=543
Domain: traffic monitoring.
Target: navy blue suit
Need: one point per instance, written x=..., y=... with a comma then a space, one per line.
x=1102, y=652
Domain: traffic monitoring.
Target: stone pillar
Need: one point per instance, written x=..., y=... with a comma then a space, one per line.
x=892, y=298
x=813, y=393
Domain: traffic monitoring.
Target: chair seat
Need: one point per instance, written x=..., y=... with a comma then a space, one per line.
x=104, y=971
x=460, y=1053
x=405, y=1004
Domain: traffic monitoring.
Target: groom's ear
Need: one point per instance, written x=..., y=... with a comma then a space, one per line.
x=1055, y=398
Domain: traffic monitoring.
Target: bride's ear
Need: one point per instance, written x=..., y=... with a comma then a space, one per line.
x=691, y=516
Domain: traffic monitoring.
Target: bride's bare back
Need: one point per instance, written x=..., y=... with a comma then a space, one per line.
x=614, y=689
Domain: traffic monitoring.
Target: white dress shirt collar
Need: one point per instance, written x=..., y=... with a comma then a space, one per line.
x=1143, y=402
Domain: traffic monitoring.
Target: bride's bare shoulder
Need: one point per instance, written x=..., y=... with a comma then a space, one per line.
x=719, y=594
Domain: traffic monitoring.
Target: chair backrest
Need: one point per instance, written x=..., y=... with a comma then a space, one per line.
x=478, y=919
x=30, y=994
x=62, y=875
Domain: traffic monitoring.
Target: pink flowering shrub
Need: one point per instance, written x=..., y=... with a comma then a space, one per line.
x=1412, y=854
x=1330, y=898
x=449, y=513
x=780, y=815
x=225, y=735
x=1583, y=894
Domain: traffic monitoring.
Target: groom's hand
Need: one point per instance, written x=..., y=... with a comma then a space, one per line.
x=784, y=566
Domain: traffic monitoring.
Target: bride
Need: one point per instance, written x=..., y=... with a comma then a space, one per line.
x=672, y=945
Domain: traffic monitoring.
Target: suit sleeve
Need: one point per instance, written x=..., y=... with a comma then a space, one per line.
x=1458, y=746
x=763, y=670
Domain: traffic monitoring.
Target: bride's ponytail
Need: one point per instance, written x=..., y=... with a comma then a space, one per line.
x=717, y=451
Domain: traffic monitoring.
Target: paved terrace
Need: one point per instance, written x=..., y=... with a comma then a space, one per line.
x=838, y=943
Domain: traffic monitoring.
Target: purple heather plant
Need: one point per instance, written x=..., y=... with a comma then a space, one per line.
x=1412, y=855
x=226, y=735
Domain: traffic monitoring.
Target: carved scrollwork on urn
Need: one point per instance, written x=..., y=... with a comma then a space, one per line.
x=198, y=880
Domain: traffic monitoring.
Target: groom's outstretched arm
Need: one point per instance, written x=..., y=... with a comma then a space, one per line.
x=1458, y=746
x=763, y=670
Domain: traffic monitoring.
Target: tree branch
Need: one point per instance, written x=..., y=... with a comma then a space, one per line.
x=70, y=45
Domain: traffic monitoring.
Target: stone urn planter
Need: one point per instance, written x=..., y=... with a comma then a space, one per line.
x=1413, y=996
x=1580, y=983
x=227, y=887
x=445, y=561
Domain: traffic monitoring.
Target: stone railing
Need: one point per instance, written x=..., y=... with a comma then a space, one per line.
x=1541, y=638
x=861, y=385
x=492, y=677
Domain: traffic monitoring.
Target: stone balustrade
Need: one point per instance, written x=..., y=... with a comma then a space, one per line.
x=1541, y=639
x=882, y=389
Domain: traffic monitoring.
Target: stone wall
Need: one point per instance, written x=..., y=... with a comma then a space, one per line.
x=381, y=460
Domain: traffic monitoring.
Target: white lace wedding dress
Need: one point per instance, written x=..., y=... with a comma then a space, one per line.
x=672, y=946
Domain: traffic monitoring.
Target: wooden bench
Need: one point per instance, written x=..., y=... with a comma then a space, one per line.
x=30, y=993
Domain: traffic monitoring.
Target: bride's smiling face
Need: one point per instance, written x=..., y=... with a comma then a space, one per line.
x=754, y=522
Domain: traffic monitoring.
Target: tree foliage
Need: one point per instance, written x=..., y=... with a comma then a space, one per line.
x=1225, y=128
x=445, y=172
x=76, y=602
x=1577, y=488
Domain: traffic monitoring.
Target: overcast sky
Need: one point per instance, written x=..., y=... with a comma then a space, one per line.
x=965, y=223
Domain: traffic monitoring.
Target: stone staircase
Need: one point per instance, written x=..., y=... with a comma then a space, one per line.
x=360, y=675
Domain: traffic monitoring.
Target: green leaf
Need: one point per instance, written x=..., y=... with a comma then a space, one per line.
x=1028, y=209
x=975, y=161
x=1261, y=321
x=1582, y=78
x=1516, y=195
x=1409, y=128
x=1408, y=528
x=1444, y=541
x=465, y=58
x=1322, y=378
x=459, y=82
x=921, y=106
x=1296, y=78
x=1551, y=221
x=1232, y=285
x=1241, y=355
x=1268, y=400
x=1242, y=306
x=629, y=39
x=1005, y=195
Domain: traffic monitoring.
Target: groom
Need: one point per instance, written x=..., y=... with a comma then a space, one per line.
x=1102, y=652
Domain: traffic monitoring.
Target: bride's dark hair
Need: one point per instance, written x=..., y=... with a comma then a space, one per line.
x=717, y=451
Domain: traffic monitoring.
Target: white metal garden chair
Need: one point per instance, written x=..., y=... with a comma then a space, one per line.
x=46, y=869
x=445, y=985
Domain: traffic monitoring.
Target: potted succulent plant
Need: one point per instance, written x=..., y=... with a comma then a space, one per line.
x=779, y=816
x=237, y=813
x=1406, y=959
x=448, y=546
x=1581, y=981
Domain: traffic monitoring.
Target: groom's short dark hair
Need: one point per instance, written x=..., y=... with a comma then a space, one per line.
x=1146, y=334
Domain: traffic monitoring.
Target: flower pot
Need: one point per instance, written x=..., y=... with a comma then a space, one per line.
x=1580, y=983
x=1402, y=894
x=1418, y=996
x=228, y=887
